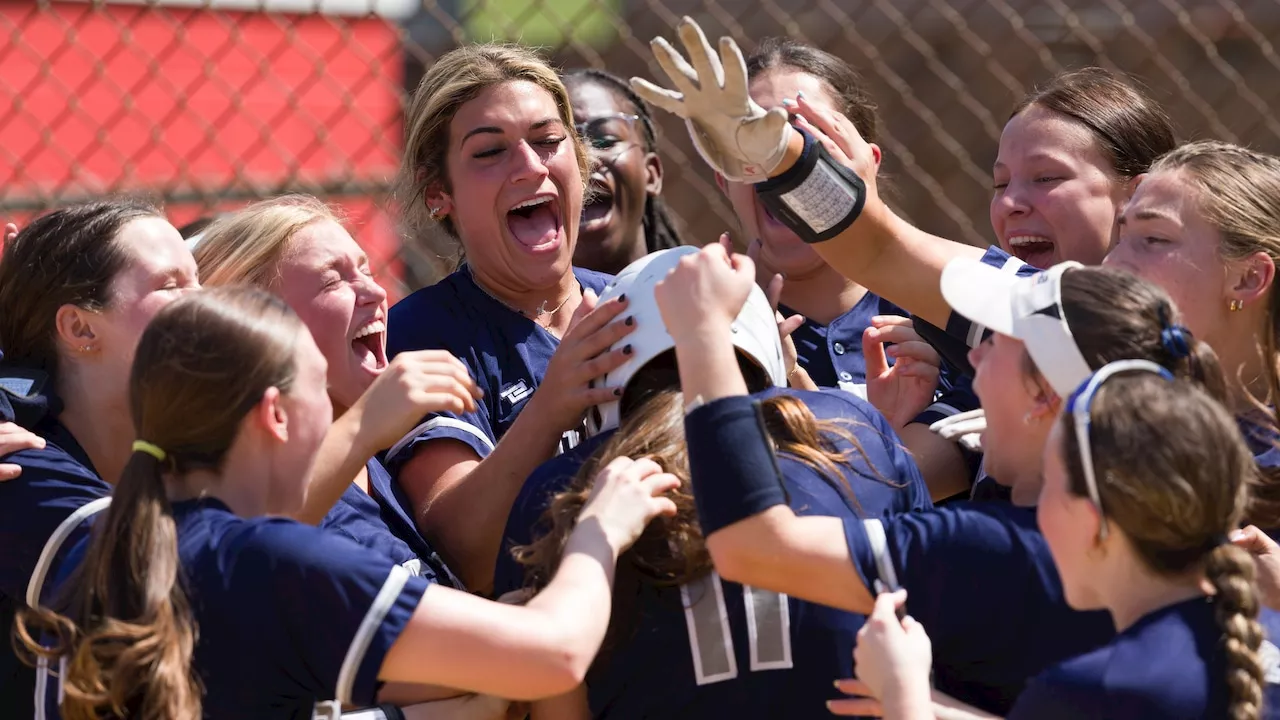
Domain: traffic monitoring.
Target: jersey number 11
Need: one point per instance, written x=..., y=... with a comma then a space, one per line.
x=711, y=639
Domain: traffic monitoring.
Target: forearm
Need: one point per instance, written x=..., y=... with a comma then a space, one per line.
x=465, y=518
x=540, y=650
x=909, y=702
x=805, y=557
x=896, y=260
x=577, y=602
x=338, y=461
x=941, y=461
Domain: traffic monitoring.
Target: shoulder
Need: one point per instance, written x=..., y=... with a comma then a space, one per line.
x=50, y=474
x=433, y=316
x=276, y=551
x=991, y=529
x=829, y=404
x=1157, y=670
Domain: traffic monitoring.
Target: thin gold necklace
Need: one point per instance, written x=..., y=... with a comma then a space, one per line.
x=542, y=307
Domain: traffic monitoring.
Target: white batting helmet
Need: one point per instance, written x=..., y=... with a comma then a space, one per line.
x=755, y=330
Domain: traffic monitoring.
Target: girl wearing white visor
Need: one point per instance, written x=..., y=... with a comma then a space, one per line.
x=979, y=576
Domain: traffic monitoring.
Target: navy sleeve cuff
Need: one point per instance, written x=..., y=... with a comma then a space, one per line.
x=731, y=463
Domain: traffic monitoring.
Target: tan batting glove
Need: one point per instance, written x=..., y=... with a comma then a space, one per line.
x=736, y=137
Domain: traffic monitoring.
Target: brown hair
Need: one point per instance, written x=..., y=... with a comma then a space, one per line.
x=847, y=89
x=66, y=257
x=455, y=79
x=1177, y=500
x=202, y=364
x=246, y=247
x=672, y=551
x=1131, y=128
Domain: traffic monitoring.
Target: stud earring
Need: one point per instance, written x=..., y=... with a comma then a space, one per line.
x=86, y=348
x=434, y=213
x=1235, y=305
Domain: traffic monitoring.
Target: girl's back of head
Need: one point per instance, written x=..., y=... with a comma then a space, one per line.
x=1172, y=473
x=204, y=363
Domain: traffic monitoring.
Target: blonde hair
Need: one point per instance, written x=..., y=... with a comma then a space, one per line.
x=457, y=78
x=1237, y=190
x=245, y=248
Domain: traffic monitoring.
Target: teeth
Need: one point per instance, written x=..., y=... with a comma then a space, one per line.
x=535, y=202
x=1027, y=240
x=376, y=326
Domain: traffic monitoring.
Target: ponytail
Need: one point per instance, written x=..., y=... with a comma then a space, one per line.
x=1231, y=572
x=128, y=635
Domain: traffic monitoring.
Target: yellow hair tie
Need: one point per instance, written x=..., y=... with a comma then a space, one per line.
x=152, y=450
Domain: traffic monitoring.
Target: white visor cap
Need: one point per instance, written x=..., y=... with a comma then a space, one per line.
x=1026, y=308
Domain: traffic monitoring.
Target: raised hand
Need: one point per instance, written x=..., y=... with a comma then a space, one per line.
x=626, y=495
x=565, y=394
x=736, y=136
x=413, y=385
x=903, y=390
x=893, y=657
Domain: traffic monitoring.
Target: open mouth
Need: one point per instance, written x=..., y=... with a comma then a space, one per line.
x=535, y=223
x=370, y=346
x=597, y=212
x=1034, y=250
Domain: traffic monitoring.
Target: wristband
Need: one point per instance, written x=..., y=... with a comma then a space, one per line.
x=731, y=463
x=817, y=198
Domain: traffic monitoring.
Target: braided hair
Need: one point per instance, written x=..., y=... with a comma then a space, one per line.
x=660, y=230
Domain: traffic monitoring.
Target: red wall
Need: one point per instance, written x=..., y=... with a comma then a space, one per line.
x=127, y=98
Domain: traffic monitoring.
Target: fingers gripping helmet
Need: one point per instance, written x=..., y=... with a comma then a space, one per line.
x=755, y=331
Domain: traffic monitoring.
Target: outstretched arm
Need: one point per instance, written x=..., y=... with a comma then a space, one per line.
x=742, y=141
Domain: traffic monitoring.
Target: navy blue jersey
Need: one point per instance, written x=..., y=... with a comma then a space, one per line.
x=715, y=648
x=56, y=481
x=366, y=519
x=980, y=578
x=506, y=353
x=397, y=513
x=288, y=615
x=832, y=354
x=1170, y=665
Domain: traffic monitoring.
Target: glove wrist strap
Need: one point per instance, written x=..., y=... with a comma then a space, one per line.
x=817, y=198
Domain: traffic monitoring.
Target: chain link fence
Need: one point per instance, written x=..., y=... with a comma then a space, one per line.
x=204, y=105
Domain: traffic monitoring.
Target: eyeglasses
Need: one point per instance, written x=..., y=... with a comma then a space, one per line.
x=1081, y=407
x=609, y=136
